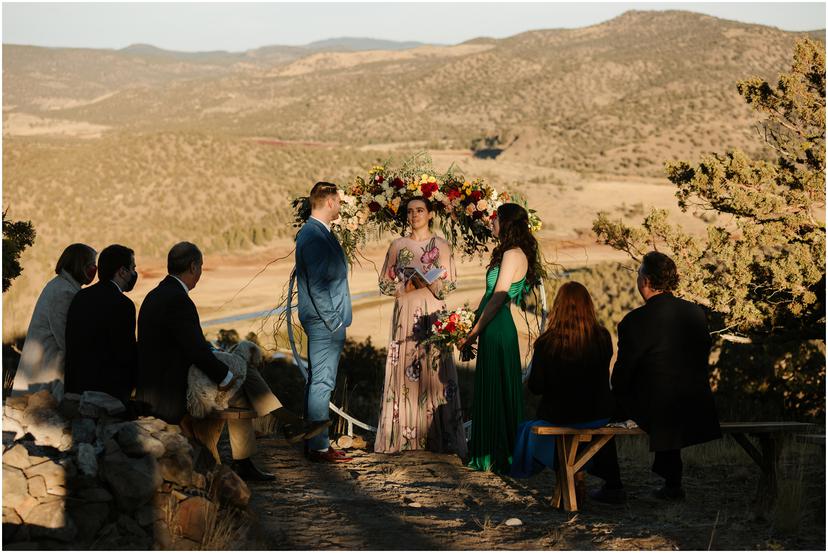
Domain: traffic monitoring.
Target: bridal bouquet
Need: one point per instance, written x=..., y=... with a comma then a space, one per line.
x=451, y=327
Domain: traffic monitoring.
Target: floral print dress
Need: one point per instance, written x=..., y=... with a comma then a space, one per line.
x=420, y=401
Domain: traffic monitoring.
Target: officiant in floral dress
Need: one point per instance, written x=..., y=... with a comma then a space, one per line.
x=420, y=399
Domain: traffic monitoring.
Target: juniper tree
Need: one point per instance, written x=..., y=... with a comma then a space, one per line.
x=17, y=236
x=761, y=274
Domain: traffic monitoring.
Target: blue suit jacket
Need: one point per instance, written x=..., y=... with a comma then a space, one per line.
x=321, y=278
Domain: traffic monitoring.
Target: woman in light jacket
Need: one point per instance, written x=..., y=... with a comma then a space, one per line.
x=41, y=361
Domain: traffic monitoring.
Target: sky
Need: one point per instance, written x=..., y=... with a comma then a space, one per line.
x=237, y=27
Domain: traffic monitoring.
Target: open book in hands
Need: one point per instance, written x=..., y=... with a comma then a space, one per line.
x=419, y=279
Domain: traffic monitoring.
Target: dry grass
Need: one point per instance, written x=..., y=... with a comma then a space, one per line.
x=226, y=531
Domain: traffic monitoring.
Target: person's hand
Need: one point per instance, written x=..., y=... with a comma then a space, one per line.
x=471, y=338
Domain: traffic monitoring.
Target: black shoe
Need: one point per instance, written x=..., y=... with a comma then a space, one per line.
x=295, y=434
x=613, y=497
x=250, y=472
x=669, y=493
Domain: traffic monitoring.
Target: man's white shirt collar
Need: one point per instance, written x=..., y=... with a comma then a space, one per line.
x=116, y=286
x=327, y=226
x=182, y=284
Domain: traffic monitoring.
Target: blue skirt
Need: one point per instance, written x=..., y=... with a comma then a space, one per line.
x=533, y=452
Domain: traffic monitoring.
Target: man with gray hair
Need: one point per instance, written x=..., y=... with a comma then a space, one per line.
x=170, y=339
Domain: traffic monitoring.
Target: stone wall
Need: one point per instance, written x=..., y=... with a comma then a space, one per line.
x=79, y=475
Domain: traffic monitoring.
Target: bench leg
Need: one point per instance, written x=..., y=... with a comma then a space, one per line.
x=560, y=475
x=767, y=458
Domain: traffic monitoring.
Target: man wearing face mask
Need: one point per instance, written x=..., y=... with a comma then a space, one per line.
x=101, y=351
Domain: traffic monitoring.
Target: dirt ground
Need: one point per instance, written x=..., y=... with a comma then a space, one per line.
x=421, y=500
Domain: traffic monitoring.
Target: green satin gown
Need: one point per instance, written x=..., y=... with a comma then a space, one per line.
x=497, y=409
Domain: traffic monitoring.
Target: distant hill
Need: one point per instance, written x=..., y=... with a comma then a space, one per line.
x=618, y=97
x=345, y=44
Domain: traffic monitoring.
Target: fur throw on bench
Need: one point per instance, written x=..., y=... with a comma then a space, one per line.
x=203, y=395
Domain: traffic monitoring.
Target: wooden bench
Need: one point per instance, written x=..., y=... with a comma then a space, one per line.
x=571, y=460
x=815, y=439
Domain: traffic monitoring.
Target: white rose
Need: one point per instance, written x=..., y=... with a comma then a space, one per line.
x=482, y=205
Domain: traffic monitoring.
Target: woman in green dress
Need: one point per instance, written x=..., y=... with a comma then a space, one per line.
x=497, y=408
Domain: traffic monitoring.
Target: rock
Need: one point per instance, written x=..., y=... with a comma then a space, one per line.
x=94, y=495
x=87, y=460
x=514, y=522
x=415, y=505
x=41, y=400
x=84, y=431
x=15, y=487
x=37, y=486
x=56, y=473
x=199, y=481
x=51, y=521
x=95, y=404
x=46, y=426
x=17, y=457
x=178, y=495
x=162, y=536
x=66, y=441
x=359, y=442
x=89, y=518
x=177, y=469
x=11, y=523
x=149, y=514
x=13, y=428
x=151, y=424
x=345, y=442
x=69, y=405
x=136, y=442
x=10, y=516
x=24, y=508
x=229, y=488
x=175, y=443
x=194, y=517
x=17, y=402
x=108, y=537
x=111, y=446
x=133, y=480
x=132, y=533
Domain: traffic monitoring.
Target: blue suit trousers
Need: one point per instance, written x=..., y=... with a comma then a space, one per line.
x=324, y=349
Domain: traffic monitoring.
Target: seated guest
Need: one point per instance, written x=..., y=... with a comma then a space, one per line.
x=661, y=379
x=42, y=359
x=170, y=339
x=570, y=370
x=101, y=354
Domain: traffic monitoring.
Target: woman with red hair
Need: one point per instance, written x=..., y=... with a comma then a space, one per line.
x=570, y=370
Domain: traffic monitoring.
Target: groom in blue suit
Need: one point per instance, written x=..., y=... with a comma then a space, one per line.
x=324, y=310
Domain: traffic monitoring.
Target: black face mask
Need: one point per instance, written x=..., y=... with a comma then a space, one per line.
x=131, y=283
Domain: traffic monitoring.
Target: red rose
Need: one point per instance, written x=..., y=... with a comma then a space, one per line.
x=438, y=324
x=428, y=189
x=379, y=178
x=453, y=194
x=451, y=327
x=476, y=195
x=374, y=207
x=453, y=317
x=398, y=183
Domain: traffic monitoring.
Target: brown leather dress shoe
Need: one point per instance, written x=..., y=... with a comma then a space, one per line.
x=329, y=456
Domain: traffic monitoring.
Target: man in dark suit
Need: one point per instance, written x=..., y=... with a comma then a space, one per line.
x=170, y=339
x=101, y=354
x=661, y=379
